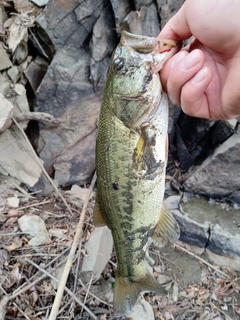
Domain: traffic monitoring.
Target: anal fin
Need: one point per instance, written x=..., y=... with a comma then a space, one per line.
x=98, y=219
x=166, y=229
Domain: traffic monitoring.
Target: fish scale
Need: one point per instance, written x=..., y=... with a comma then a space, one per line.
x=131, y=162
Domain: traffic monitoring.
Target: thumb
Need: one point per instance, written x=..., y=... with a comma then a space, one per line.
x=177, y=27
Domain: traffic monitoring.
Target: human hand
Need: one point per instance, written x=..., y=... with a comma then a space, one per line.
x=204, y=77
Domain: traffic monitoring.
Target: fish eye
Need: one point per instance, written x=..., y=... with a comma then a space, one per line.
x=118, y=64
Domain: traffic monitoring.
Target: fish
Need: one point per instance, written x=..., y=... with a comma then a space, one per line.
x=131, y=157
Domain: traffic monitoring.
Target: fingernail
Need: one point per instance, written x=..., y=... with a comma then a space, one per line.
x=200, y=76
x=190, y=61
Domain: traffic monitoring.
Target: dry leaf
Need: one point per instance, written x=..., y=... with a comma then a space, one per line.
x=13, y=277
x=12, y=246
x=18, y=30
x=58, y=233
x=77, y=192
x=99, y=249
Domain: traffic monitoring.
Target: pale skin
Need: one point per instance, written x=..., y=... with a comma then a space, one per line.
x=204, y=78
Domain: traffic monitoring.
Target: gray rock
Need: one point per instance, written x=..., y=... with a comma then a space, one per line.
x=219, y=175
x=5, y=62
x=121, y=10
x=167, y=8
x=192, y=232
x=145, y=21
x=224, y=248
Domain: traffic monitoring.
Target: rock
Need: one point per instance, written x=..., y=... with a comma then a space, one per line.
x=40, y=3
x=66, y=81
x=16, y=158
x=100, y=47
x=34, y=73
x=121, y=10
x=4, y=85
x=13, y=74
x=192, y=232
x=167, y=8
x=223, y=248
x=172, y=202
x=5, y=62
x=219, y=175
x=68, y=150
x=6, y=112
x=76, y=164
x=143, y=22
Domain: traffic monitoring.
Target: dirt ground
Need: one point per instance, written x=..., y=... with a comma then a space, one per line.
x=29, y=274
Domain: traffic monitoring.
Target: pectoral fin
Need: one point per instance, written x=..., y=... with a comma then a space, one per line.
x=167, y=229
x=98, y=219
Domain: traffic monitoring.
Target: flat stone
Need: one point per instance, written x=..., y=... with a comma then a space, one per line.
x=16, y=158
x=192, y=232
x=219, y=175
x=5, y=62
x=224, y=247
x=6, y=112
x=222, y=230
x=13, y=74
x=121, y=10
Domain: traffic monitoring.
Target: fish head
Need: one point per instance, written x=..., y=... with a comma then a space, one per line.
x=134, y=80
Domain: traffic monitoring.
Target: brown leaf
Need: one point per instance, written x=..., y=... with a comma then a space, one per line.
x=12, y=246
x=13, y=277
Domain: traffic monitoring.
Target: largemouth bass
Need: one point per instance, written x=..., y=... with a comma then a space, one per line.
x=131, y=160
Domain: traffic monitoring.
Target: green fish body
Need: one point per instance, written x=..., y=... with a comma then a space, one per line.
x=131, y=161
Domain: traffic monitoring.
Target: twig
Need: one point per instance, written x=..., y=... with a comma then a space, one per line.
x=64, y=288
x=43, y=52
x=38, y=116
x=26, y=194
x=202, y=260
x=21, y=311
x=25, y=287
x=41, y=166
x=94, y=296
x=87, y=292
x=222, y=312
x=31, y=205
x=3, y=306
x=62, y=283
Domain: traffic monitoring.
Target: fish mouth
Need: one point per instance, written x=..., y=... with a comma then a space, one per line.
x=152, y=49
x=144, y=44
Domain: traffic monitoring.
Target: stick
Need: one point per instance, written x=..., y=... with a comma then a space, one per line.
x=197, y=257
x=24, y=287
x=38, y=116
x=63, y=280
x=41, y=166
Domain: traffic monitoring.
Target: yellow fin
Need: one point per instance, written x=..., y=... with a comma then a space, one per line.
x=167, y=229
x=128, y=289
x=98, y=219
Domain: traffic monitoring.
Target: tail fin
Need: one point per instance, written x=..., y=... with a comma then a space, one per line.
x=128, y=289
